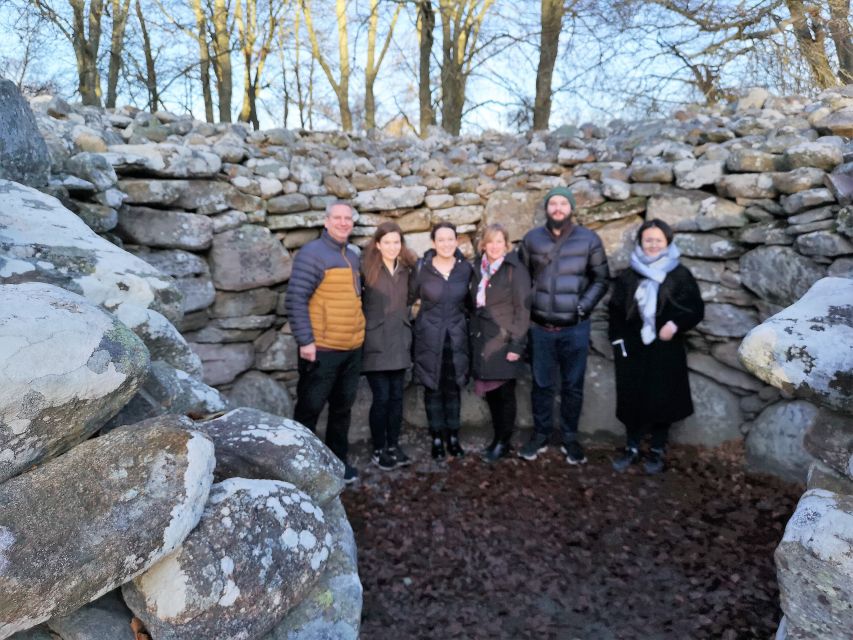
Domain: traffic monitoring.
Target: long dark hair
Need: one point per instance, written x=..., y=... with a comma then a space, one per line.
x=371, y=260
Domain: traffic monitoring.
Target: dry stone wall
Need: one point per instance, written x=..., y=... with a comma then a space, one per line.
x=758, y=192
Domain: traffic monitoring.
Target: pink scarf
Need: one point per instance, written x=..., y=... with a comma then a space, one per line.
x=486, y=272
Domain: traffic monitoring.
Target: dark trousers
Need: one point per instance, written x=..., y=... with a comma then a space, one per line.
x=658, y=432
x=443, y=405
x=502, y=407
x=332, y=378
x=386, y=410
x=566, y=349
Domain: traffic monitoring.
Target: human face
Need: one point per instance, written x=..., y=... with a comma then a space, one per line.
x=495, y=247
x=445, y=242
x=653, y=242
x=559, y=209
x=339, y=222
x=390, y=246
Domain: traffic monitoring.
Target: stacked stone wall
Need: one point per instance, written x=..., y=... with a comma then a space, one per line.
x=758, y=193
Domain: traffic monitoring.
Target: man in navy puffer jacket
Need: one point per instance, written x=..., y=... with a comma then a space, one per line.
x=568, y=267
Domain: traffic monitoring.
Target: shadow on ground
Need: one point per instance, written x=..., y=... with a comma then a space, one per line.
x=544, y=550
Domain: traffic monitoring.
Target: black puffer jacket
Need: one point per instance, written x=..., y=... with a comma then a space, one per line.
x=443, y=312
x=568, y=286
x=501, y=326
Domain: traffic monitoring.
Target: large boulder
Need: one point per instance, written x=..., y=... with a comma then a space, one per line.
x=259, y=546
x=806, y=349
x=190, y=272
x=23, y=154
x=66, y=368
x=515, y=210
x=253, y=444
x=86, y=522
x=778, y=274
x=695, y=211
x=248, y=257
x=830, y=439
x=775, y=441
x=259, y=391
x=107, y=618
x=164, y=341
x=164, y=228
x=43, y=241
x=717, y=416
x=814, y=567
x=390, y=198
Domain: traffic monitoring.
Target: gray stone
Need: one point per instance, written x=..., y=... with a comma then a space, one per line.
x=163, y=340
x=458, y=215
x=40, y=632
x=774, y=444
x=658, y=172
x=752, y=160
x=824, y=243
x=191, y=273
x=695, y=211
x=288, y=203
x=839, y=123
x=575, y=156
x=717, y=417
x=169, y=391
x=619, y=238
x=806, y=349
x=144, y=492
x=830, y=439
x=610, y=211
x=244, y=303
x=728, y=321
x=23, y=153
x=613, y=189
x=707, y=245
x=708, y=270
x=276, y=351
x=247, y=258
x=823, y=477
x=778, y=274
x=598, y=417
x=746, y=185
x=224, y=362
x=841, y=268
x=257, y=390
x=166, y=229
x=99, y=218
x=771, y=233
x=798, y=180
x=68, y=367
x=813, y=215
x=297, y=221
x=44, y=242
x=332, y=609
x=388, y=198
x=259, y=545
x=820, y=155
x=814, y=567
x=719, y=372
x=694, y=174
x=107, y=618
x=807, y=199
x=253, y=444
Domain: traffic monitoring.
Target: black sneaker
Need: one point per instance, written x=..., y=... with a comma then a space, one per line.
x=350, y=474
x=399, y=456
x=374, y=457
x=453, y=446
x=628, y=456
x=654, y=462
x=495, y=453
x=536, y=445
x=384, y=460
x=437, y=448
x=574, y=452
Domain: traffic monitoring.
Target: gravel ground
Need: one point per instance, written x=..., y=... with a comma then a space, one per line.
x=545, y=550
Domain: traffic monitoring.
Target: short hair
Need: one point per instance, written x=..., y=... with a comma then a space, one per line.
x=654, y=223
x=491, y=231
x=339, y=203
x=442, y=225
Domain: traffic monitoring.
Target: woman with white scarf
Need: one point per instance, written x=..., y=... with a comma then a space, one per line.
x=654, y=303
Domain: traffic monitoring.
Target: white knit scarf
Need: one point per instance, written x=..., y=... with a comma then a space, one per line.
x=653, y=271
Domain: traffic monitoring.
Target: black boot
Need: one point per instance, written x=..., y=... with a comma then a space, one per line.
x=437, y=445
x=453, y=447
x=501, y=450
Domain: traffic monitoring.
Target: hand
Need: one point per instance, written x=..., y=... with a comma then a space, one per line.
x=512, y=357
x=667, y=331
x=308, y=352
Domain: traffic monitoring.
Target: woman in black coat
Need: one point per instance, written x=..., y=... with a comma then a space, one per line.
x=654, y=303
x=387, y=265
x=501, y=296
x=441, y=336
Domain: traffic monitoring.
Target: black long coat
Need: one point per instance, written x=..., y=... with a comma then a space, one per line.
x=501, y=325
x=443, y=312
x=651, y=382
x=388, y=334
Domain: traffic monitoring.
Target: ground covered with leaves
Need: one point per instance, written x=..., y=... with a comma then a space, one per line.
x=545, y=550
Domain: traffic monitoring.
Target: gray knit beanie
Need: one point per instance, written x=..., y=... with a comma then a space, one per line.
x=561, y=191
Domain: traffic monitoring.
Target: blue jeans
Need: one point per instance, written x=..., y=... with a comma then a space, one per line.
x=386, y=410
x=565, y=348
x=332, y=378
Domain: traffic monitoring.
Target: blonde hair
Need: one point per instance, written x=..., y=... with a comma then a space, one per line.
x=490, y=232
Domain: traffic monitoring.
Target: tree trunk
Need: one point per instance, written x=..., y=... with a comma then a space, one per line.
x=120, y=10
x=373, y=64
x=341, y=87
x=426, y=24
x=86, y=49
x=222, y=59
x=839, y=27
x=549, y=41
x=203, y=59
x=811, y=41
x=150, y=68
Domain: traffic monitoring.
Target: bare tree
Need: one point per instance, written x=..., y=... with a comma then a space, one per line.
x=119, y=10
x=425, y=27
x=549, y=43
x=339, y=86
x=373, y=64
x=150, y=77
x=810, y=27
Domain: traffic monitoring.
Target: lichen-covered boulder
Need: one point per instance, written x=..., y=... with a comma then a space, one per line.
x=86, y=522
x=830, y=439
x=775, y=441
x=253, y=444
x=259, y=546
x=778, y=274
x=332, y=609
x=23, y=153
x=807, y=349
x=66, y=367
x=248, y=257
x=814, y=567
x=42, y=241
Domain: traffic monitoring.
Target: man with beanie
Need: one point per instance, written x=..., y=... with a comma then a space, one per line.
x=568, y=268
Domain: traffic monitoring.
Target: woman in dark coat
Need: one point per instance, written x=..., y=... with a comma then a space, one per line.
x=441, y=336
x=501, y=296
x=654, y=303
x=387, y=265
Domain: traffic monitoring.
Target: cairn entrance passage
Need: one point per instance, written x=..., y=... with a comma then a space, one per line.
x=544, y=550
